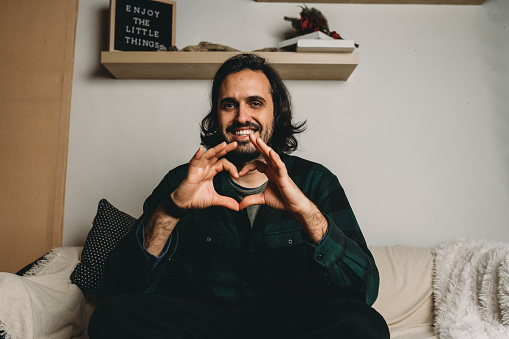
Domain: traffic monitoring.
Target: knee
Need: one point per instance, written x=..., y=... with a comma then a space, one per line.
x=359, y=320
x=107, y=317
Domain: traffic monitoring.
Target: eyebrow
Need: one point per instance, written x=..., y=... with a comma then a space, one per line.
x=256, y=97
x=250, y=98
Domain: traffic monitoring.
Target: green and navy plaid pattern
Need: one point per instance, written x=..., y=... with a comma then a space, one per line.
x=223, y=260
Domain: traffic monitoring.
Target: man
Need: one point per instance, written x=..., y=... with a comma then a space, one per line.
x=266, y=244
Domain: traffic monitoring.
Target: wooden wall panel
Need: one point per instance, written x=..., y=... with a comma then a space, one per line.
x=36, y=65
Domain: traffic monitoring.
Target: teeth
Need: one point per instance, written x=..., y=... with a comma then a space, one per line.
x=244, y=132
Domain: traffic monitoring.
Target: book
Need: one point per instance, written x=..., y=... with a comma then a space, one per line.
x=289, y=43
x=334, y=46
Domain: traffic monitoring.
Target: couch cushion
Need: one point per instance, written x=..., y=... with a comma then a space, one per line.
x=109, y=227
x=405, y=298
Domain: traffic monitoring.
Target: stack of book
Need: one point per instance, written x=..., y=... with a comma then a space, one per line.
x=317, y=42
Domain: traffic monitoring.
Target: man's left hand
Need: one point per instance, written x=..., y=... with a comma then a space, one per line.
x=282, y=193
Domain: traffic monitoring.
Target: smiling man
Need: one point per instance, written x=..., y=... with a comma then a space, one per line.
x=245, y=107
x=251, y=241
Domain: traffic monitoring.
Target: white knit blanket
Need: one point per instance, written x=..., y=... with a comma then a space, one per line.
x=44, y=304
x=471, y=289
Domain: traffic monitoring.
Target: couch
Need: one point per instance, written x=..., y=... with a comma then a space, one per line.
x=45, y=304
x=459, y=289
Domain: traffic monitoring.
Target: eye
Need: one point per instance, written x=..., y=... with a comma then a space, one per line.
x=256, y=104
x=228, y=105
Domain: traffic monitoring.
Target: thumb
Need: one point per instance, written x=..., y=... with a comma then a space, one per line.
x=250, y=200
x=226, y=202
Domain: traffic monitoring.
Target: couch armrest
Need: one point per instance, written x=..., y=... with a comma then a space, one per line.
x=405, y=298
x=44, y=303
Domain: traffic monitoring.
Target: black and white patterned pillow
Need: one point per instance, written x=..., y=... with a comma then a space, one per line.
x=109, y=227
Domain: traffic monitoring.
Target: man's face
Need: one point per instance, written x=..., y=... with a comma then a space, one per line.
x=245, y=107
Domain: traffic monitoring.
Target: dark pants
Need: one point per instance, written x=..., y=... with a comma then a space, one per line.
x=150, y=316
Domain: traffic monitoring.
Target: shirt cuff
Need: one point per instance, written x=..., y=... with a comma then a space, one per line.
x=152, y=259
x=325, y=236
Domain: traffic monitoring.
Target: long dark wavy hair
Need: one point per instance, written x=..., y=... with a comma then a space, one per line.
x=283, y=138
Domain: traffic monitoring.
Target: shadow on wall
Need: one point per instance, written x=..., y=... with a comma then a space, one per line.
x=496, y=63
x=103, y=36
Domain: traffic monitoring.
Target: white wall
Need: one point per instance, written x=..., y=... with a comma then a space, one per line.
x=418, y=136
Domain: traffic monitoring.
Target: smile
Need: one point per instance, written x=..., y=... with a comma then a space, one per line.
x=243, y=132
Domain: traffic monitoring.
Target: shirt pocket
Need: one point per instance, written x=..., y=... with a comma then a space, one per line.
x=207, y=255
x=208, y=237
x=284, y=239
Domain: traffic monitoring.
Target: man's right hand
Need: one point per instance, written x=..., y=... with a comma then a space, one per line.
x=197, y=191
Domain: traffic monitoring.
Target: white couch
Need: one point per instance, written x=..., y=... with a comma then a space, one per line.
x=45, y=304
x=405, y=297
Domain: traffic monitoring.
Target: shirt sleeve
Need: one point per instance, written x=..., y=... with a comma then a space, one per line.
x=152, y=259
x=343, y=254
x=130, y=268
x=325, y=236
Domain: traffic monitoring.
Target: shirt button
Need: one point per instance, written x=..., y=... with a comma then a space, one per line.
x=245, y=284
x=209, y=239
x=290, y=241
x=319, y=257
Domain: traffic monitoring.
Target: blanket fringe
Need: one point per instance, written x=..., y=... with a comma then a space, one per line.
x=44, y=261
x=471, y=289
x=3, y=332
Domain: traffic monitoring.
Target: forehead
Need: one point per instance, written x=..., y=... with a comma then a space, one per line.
x=245, y=83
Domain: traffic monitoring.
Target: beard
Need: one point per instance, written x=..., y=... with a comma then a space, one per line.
x=241, y=158
x=246, y=152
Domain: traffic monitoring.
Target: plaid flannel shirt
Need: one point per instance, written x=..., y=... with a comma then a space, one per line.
x=222, y=259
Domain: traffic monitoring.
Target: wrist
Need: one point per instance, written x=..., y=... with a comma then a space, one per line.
x=313, y=222
x=172, y=209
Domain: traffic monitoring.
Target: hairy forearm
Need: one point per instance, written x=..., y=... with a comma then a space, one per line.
x=158, y=230
x=313, y=222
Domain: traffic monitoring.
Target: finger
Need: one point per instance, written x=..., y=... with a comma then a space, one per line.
x=272, y=157
x=263, y=148
x=229, y=147
x=250, y=200
x=220, y=150
x=277, y=163
x=224, y=164
x=199, y=153
x=212, y=152
x=254, y=141
x=256, y=165
x=226, y=202
x=197, y=156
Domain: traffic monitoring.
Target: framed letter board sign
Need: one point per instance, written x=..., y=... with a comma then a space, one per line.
x=142, y=25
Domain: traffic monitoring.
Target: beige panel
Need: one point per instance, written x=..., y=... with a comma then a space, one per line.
x=405, y=2
x=36, y=63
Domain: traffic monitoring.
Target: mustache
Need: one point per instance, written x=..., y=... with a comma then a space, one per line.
x=248, y=124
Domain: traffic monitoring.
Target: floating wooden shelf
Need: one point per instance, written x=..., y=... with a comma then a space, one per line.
x=203, y=65
x=406, y=2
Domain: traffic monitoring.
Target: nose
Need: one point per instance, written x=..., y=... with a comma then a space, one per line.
x=243, y=115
